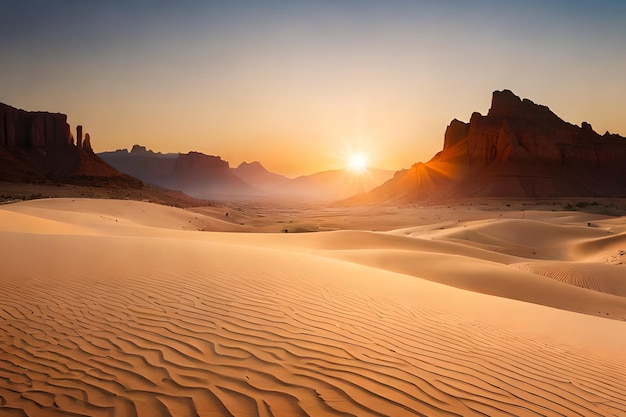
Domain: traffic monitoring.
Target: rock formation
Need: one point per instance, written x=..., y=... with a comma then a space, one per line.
x=519, y=149
x=256, y=175
x=522, y=131
x=19, y=128
x=79, y=136
x=206, y=176
x=37, y=146
x=151, y=167
x=196, y=174
x=87, y=144
x=193, y=166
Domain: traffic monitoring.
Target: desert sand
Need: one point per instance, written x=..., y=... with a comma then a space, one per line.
x=122, y=308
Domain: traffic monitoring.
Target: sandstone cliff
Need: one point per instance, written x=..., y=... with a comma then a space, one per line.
x=519, y=149
x=517, y=130
x=19, y=128
x=39, y=146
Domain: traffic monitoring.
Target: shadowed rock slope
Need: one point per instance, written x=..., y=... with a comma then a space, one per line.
x=194, y=173
x=257, y=176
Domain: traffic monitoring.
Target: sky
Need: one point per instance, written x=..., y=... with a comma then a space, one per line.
x=302, y=85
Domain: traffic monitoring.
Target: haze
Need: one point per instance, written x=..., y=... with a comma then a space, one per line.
x=299, y=85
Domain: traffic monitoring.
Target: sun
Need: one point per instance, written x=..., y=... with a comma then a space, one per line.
x=357, y=163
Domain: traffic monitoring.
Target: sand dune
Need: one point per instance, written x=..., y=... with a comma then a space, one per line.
x=127, y=309
x=115, y=216
x=601, y=278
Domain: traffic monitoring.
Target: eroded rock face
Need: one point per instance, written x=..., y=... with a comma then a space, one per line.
x=519, y=149
x=455, y=133
x=79, y=136
x=87, y=143
x=506, y=104
x=19, y=128
x=521, y=131
x=36, y=146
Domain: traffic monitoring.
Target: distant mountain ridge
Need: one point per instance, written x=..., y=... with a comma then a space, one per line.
x=257, y=176
x=141, y=163
x=333, y=184
x=194, y=173
x=519, y=149
x=208, y=176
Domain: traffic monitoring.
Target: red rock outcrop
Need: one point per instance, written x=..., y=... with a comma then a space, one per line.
x=517, y=130
x=32, y=129
x=36, y=146
x=455, y=133
x=87, y=144
x=522, y=131
x=79, y=136
x=519, y=149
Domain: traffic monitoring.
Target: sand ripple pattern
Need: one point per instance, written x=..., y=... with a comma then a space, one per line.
x=217, y=344
x=609, y=281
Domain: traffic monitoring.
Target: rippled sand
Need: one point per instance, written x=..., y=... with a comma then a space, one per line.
x=118, y=308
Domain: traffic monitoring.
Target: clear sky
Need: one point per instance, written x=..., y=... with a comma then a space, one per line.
x=298, y=85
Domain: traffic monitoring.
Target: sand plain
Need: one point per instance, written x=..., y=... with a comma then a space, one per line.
x=122, y=308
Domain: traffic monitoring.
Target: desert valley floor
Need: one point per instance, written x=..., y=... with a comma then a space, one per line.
x=123, y=308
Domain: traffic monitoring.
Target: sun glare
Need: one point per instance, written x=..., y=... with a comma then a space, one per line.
x=357, y=163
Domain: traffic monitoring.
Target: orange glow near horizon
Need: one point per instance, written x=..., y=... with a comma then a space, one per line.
x=286, y=85
x=357, y=163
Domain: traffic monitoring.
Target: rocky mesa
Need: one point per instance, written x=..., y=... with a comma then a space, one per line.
x=37, y=146
x=519, y=149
